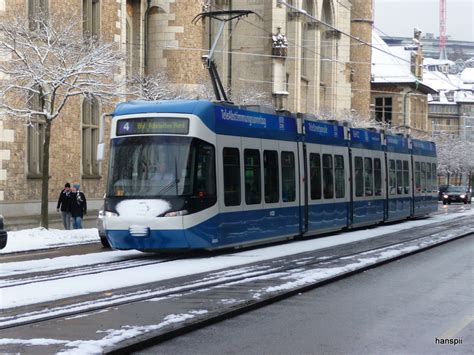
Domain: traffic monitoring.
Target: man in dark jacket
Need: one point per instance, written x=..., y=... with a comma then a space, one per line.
x=78, y=206
x=64, y=205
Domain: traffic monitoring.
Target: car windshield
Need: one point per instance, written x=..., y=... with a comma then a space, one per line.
x=457, y=189
x=158, y=166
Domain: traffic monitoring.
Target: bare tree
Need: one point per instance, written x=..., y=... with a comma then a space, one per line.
x=48, y=67
x=454, y=156
x=157, y=86
x=150, y=87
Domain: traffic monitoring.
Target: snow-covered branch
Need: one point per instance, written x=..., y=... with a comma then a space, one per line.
x=59, y=60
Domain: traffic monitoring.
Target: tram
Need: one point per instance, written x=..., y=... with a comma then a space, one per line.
x=196, y=174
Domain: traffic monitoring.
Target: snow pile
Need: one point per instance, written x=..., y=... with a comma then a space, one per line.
x=142, y=208
x=41, y=238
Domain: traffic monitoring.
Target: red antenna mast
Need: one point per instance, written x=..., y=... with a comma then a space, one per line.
x=442, y=29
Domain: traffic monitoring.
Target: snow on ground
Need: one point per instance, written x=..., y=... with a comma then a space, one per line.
x=74, y=286
x=41, y=238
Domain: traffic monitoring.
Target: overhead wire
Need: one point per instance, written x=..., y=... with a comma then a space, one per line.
x=299, y=57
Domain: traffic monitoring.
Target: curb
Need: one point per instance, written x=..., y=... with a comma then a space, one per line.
x=55, y=221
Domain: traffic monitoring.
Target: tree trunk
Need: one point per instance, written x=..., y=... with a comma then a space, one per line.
x=45, y=177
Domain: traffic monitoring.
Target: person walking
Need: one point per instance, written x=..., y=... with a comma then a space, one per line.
x=64, y=205
x=78, y=206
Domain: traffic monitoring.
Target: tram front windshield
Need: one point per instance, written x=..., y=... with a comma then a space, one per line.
x=161, y=167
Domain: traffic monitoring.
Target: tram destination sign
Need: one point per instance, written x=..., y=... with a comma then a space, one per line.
x=152, y=125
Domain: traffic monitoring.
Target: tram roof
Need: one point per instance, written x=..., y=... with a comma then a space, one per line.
x=197, y=107
x=425, y=148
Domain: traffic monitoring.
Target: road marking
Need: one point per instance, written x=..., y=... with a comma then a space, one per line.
x=456, y=329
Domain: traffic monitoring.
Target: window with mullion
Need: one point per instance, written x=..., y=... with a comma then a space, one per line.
x=383, y=109
x=90, y=136
x=91, y=18
x=37, y=10
x=35, y=133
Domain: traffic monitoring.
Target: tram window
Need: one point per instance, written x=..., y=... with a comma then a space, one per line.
x=205, y=170
x=288, y=176
x=339, y=172
x=315, y=175
x=406, y=177
x=428, y=177
x=368, y=177
x=399, y=177
x=328, y=178
x=392, y=177
x=231, y=161
x=253, y=189
x=270, y=174
x=433, y=176
x=423, y=177
x=377, y=177
x=359, y=176
x=417, y=177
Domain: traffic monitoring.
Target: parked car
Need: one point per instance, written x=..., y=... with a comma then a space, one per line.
x=101, y=229
x=3, y=234
x=457, y=194
x=441, y=190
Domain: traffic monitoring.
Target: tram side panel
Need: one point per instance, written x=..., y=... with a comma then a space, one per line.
x=368, y=188
x=425, y=189
x=399, y=186
x=263, y=202
x=328, y=192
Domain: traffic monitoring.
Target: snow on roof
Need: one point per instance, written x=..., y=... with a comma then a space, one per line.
x=433, y=61
x=440, y=81
x=467, y=76
x=390, y=64
x=464, y=96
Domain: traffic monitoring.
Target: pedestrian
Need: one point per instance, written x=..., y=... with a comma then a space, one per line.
x=78, y=206
x=64, y=205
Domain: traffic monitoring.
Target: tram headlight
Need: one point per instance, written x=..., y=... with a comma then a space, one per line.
x=110, y=214
x=176, y=213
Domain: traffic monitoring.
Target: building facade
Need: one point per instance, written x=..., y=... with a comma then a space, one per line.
x=309, y=72
x=399, y=96
x=144, y=30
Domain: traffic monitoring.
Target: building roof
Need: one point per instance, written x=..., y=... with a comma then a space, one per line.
x=391, y=65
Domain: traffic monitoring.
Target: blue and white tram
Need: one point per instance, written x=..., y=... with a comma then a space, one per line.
x=237, y=177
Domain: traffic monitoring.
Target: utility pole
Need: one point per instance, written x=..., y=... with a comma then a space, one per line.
x=223, y=17
x=442, y=30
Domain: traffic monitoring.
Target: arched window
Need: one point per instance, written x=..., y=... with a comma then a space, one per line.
x=35, y=133
x=308, y=41
x=326, y=65
x=155, y=40
x=128, y=39
x=308, y=58
x=90, y=136
x=91, y=18
x=37, y=9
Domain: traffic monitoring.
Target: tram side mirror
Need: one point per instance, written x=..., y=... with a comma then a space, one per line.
x=100, y=151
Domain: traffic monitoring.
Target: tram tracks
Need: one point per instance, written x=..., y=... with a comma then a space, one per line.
x=274, y=269
x=91, y=269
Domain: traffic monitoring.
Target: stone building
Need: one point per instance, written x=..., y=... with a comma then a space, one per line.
x=145, y=30
x=309, y=71
x=399, y=95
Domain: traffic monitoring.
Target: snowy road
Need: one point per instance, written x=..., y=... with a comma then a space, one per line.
x=109, y=280
x=261, y=272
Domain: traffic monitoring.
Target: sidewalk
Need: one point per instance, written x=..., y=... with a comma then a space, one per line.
x=55, y=221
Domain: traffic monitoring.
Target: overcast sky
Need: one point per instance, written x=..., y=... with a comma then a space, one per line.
x=399, y=17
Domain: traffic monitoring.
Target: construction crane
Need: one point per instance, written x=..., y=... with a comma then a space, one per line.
x=442, y=30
